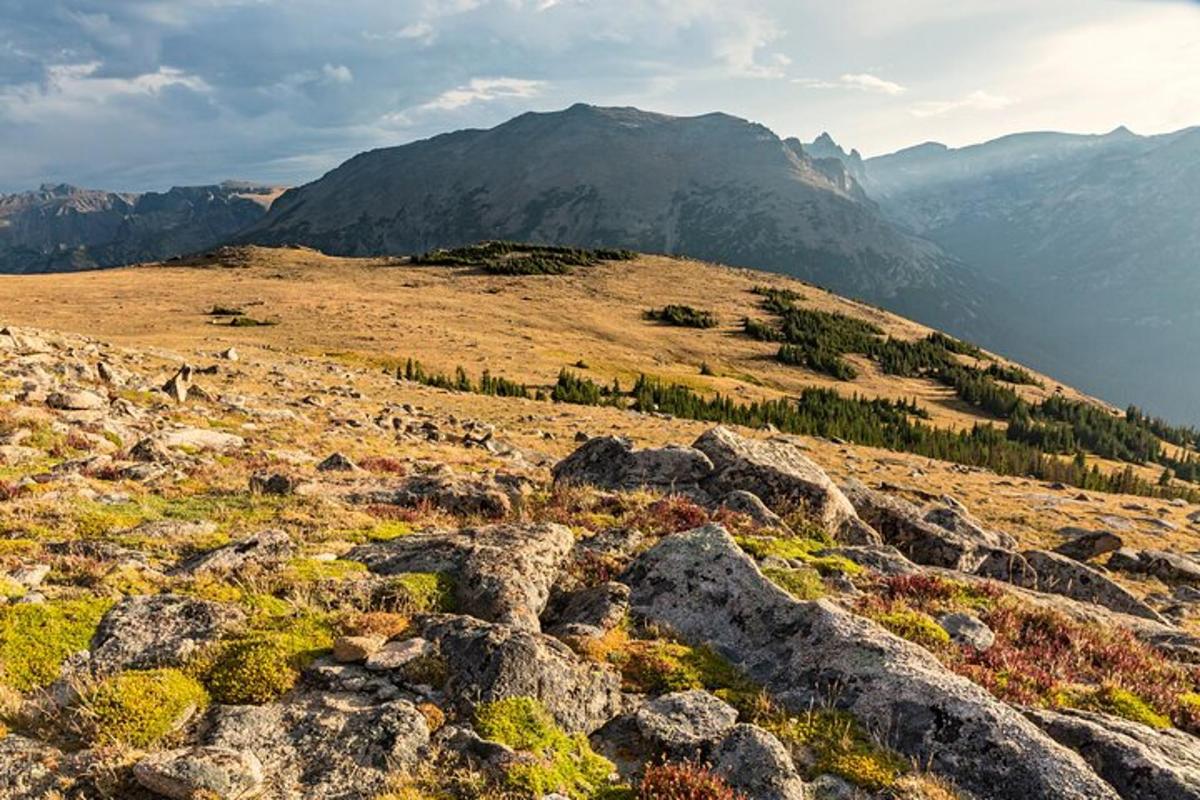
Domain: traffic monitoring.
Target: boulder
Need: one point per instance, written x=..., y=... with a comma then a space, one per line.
x=590, y=611
x=337, y=462
x=783, y=477
x=956, y=519
x=1171, y=568
x=755, y=763
x=967, y=630
x=78, y=400
x=395, y=655
x=702, y=586
x=610, y=462
x=356, y=649
x=201, y=439
x=901, y=525
x=212, y=772
x=274, y=483
x=177, y=387
x=1058, y=574
x=489, y=662
x=324, y=746
x=684, y=725
x=263, y=549
x=1141, y=763
x=1086, y=545
x=503, y=573
x=163, y=630
x=455, y=494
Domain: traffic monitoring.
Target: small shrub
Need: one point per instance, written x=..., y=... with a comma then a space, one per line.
x=37, y=637
x=139, y=708
x=685, y=780
x=683, y=316
x=559, y=762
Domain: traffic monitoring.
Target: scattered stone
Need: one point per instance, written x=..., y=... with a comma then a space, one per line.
x=80, y=400
x=212, y=772
x=1085, y=545
x=180, y=383
x=230, y=355
x=274, y=483
x=752, y=506
x=201, y=439
x=968, y=630
x=353, y=649
x=588, y=612
x=956, y=519
x=755, y=763
x=491, y=662
x=394, y=655
x=337, y=463
x=458, y=495
x=503, y=573
x=263, y=549
x=164, y=630
x=685, y=725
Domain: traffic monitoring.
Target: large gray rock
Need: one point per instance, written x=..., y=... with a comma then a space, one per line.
x=588, y=612
x=701, y=585
x=1140, y=762
x=164, y=630
x=684, y=725
x=750, y=504
x=503, y=573
x=784, y=478
x=901, y=525
x=1085, y=545
x=755, y=763
x=1059, y=574
x=77, y=400
x=1170, y=567
x=610, y=462
x=967, y=629
x=956, y=519
x=488, y=662
x=324, y=746
x=213, y=772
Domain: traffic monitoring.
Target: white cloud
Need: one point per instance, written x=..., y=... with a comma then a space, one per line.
x=977, y=100
x=338, y=73
x=73, y=88
x=421, y=31
x=856, y=81
x=482, y=90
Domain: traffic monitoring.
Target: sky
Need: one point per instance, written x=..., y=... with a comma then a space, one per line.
x=145, y=94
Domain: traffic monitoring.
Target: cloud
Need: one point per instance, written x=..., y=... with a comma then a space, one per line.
x=74, y=89
x=977, y=100
x=421, y=31
x=339, y=73
x=482, y=90
x=855, y=81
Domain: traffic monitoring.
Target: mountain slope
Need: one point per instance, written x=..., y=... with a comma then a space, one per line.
x=713, y=187
x=1097, y=236
x=65, y=228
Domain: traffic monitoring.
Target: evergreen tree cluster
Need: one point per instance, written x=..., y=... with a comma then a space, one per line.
x=683, y=316
x=515, y=258
x=580, y=390
x=488, y=384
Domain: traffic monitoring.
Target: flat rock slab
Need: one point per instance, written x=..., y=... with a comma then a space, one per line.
x=216, y=772
x=701, y=585
x=150, y=631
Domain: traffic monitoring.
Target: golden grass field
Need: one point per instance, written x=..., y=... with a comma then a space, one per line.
x=370, y=314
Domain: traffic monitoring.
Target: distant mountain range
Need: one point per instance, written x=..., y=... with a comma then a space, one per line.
x=1097, y=238
x=64, y=228
x=1076, y=254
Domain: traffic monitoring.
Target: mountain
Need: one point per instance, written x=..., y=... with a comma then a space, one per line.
x=1096, y=236
x=713, y=186
x=62, y=228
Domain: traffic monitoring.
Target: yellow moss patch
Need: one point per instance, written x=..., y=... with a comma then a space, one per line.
x=37, y=637
x=835, y=744
x=139, y=708
x=262, y=665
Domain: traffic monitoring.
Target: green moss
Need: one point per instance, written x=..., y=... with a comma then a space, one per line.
x=839, y=746
x=385, y=531
x=914, y=626
x=420, y=593
x=10, y=589
x=37, y=637
x=558, y=762
x=803, y=584
x=657, y=666
x=803, y=549
x=1120, y=703
x=139, y=708
x=263, y=664
x=310, y=570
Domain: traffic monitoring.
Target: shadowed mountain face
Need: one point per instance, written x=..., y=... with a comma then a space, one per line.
x=1096, y=235
x=63, y=228
x=714, y=187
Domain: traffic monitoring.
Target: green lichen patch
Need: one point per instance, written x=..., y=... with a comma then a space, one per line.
x=803, y=584
x=832, y=742
x=419, y=593
x=263, y=664
x=803, y=549
x=655, y=666
x=35, y=638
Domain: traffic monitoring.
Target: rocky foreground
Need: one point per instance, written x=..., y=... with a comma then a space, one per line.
x=203, y=599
